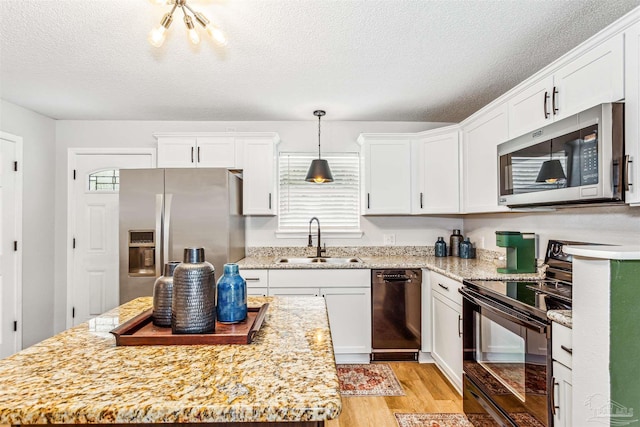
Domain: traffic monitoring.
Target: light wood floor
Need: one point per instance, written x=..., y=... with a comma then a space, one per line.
x=427, y=391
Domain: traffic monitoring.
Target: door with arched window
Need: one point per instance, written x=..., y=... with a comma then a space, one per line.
x=94, y=256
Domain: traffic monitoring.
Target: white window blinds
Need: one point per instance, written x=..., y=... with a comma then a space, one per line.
x=336, y=204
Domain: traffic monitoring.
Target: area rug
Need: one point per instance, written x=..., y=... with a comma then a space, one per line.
x=459, y=420
x=375, y=379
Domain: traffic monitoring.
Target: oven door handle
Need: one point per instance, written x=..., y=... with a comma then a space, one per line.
x=504, y=312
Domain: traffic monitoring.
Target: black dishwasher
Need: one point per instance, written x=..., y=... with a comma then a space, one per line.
x=396, y=308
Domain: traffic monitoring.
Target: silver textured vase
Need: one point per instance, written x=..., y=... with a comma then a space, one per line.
x=193, y=306
x=163, y=295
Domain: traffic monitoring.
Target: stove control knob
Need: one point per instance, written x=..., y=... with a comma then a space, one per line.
x=556, y=249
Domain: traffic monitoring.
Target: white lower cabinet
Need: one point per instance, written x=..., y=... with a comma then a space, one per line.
x=446, y=326
x=347, y=293
x=562, y=355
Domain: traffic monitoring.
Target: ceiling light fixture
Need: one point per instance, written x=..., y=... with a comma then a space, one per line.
x=319, y=171
x=158, y=34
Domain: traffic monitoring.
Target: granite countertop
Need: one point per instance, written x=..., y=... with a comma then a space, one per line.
x=80, y=376
x=453, y=267
x=563, y=317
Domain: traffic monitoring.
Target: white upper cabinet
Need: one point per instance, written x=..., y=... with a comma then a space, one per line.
x=191, y=151
x=387, y=174
x=632, y=113
x=436, y=172
x=594, y=77
x=259, y=175
x=480, y=139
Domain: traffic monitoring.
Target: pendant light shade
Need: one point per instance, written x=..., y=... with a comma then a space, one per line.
x=319, y=170
x=550, y=172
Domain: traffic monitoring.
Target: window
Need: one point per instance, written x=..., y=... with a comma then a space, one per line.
x=108, y=180
x=336, y=204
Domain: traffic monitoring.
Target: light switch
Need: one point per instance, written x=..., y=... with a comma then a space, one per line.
x=389, y=239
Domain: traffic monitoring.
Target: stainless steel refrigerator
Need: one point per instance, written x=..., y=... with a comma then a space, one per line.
x=163, y=211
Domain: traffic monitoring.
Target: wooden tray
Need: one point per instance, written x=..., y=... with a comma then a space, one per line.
x=141, y=331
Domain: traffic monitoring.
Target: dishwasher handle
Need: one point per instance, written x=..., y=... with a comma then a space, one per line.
x=397, y=280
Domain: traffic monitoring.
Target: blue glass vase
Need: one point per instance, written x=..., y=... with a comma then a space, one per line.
x=232, y=296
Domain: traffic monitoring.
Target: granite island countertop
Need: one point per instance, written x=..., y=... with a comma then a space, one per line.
x=80, y=376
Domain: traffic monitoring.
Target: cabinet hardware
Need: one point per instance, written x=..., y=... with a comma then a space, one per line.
x=251, y=279
x=421, y=201
x=627, y=162
x=446, y=288
x=553, y=101
x=73, y=312
x=74, y=174
x=15, y=326
x=553, y=396
x=15, y=166
x=198, y=154
x=191, y=154
x=459, y=325
x=269, y=200
x=368, y=202
x=568, y=350
x=74, y=243
x=15, y=246
x=546, y=99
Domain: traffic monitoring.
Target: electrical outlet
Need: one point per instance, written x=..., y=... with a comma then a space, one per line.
x=482, y=242
x=389, y=239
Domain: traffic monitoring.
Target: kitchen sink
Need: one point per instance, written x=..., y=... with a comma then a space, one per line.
x=318, y=260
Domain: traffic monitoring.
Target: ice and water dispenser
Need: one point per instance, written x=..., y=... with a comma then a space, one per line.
x=142, y=253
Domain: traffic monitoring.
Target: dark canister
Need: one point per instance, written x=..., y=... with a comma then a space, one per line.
x=193, y=308
x=163, y=295
x=454, y=243
x=441, y=247
x=232, y=295
x=466, y=249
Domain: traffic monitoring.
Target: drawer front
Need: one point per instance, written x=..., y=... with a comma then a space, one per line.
x=320, y=278
x=255, y=278
x=446, y=287
x=561, y=344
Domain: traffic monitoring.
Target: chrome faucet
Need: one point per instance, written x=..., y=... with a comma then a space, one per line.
x=319, y=249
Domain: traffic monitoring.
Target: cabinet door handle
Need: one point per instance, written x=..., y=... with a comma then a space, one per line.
x=446, y=288
x=546, y=100
x=553, y=396
x=191, y=154
x=198, y=154
x=368, y=202
x=553, y=101
x=627, y=177
x=252, y=279
x=459, y=325
x=269, y=200
x=568, y=350
x=421, y=196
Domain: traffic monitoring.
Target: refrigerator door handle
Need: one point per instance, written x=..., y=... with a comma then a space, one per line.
x=158, y=248
x=166, y=226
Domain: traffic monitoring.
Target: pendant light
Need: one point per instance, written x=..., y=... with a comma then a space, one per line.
x=551, y=170
x=319, y=171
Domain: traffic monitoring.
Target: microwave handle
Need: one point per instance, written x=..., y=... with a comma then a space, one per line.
x=502, y=312
x=627, y=177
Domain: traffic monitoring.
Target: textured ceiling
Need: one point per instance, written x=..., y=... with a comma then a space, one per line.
x=387, y=60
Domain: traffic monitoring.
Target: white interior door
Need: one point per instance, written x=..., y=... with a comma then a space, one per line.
x=95, y=232
x=10, y=212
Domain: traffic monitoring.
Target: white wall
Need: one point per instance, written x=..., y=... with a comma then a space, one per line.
x=38, y=133
x=605, y=224
x=300, y=136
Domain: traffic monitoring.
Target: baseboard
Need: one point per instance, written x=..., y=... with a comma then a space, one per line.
x=425, y=357
x=352, y=358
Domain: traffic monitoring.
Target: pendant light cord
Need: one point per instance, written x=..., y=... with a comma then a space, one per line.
x=319, y=117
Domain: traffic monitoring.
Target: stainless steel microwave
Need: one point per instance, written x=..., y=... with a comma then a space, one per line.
x=576, y=160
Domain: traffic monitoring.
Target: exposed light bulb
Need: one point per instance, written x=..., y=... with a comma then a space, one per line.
x=191, y=31
x=319, y=180
x=551, y=180
x=216, y=34
x=157, y=36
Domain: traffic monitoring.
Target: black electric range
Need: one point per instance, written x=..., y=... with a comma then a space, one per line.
x=535, y=297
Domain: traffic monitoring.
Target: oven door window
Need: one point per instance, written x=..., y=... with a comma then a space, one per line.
x=510, y=365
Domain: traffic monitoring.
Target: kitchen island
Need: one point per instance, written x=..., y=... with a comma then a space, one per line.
x=285, y=377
